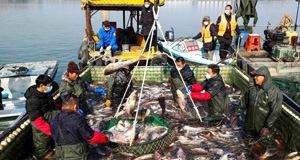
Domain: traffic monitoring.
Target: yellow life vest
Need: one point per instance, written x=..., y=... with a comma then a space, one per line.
x=205, y=32
x=224, y=24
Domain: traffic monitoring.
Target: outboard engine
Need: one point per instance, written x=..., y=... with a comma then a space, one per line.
x=169, y=35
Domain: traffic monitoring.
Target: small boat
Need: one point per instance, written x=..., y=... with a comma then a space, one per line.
x=189, y=49
x=15, y=79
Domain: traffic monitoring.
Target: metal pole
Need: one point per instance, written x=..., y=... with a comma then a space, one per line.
x=297, y=17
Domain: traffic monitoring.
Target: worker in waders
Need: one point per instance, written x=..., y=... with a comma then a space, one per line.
x=212, y=90
x=41, y=108
x=72, y=83
x=186, y=73
x=263, y=102
x=208, y=35
x=227, y=26
x=71, y=132
x=116, y=87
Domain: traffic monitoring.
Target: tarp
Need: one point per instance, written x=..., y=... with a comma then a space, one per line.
x=247, y=10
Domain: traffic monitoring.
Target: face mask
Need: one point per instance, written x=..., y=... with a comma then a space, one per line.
x=48, y=89
x=106, y=30
x=227, y=12
x=179, y=68
x=147, y=6
x=205, y=23
x=207, y=76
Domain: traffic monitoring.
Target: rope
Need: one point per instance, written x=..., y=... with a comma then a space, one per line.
x=132, y=75
x=159, y=27
x=145, y=71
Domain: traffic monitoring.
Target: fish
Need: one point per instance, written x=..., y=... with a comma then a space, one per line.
x=157, y=155
x=162, y=103
x=113, y=67
x=268, y=153
x=145, y=156
x=180, y=99
x=180, y=154
x=142, y=114
x=200, y=151
x=129, y=105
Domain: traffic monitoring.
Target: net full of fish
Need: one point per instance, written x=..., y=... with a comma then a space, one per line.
x=194, y=140
x=122, y=132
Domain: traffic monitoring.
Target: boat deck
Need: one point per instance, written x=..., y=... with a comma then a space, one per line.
x=258, y=59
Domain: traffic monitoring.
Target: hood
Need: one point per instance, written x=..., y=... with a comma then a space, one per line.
x=65, y=77
x=263, y=71
x=33, y=92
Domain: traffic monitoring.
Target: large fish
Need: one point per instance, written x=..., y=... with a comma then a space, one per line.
x=162, y=103
x=129, y=105
x=180, y=98
x=113, y=67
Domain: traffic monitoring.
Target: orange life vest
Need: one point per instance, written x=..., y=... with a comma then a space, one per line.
x=223, y=25
x=205, y=32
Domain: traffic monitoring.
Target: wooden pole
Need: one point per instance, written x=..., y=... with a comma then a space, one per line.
x=131, y=18
x=123, y=19
x=138, y=20
x=105, y=16
x=89, y=29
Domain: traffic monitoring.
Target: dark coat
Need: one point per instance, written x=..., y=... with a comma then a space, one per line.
x=147, y=19
x=37, y=103
x=218, y=104
x=40, y=105
x=187, y=74
x=74, y=128
x=117, y=85
x=263, y=104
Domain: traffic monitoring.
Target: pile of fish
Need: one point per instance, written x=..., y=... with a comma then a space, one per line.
x=194, y=140
x=123, y=131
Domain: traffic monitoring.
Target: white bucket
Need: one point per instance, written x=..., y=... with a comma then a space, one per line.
x=125, y=47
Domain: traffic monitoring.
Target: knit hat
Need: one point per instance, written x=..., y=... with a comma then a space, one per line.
x=73, y=68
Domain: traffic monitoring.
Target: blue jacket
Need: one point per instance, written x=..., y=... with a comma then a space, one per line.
x=107, y=38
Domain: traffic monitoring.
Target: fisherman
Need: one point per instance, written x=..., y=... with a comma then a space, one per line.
x=263, y=104
x=74, y=85
x=41, y=109
x=187, y=75
x=71, y=132
x=117, y=85
x=213, y=90
x=208, y=35
x=227, y=25
x=146, y=23
x=107, y=39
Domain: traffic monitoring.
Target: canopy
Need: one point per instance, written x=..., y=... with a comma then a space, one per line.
x=117, y=4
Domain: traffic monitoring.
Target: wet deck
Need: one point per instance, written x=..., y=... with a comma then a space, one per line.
x=197, y=140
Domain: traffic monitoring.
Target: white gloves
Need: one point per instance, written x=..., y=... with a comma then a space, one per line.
x=154, y=28
x=108, y=48
x=140, y=27
x=101, y=49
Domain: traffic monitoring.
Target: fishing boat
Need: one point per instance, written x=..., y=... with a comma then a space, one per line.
x=190, y=50
x=15, y=79
x=126, y=50
x=15, y=144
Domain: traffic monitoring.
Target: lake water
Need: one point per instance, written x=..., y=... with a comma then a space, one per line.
x=38, y=30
